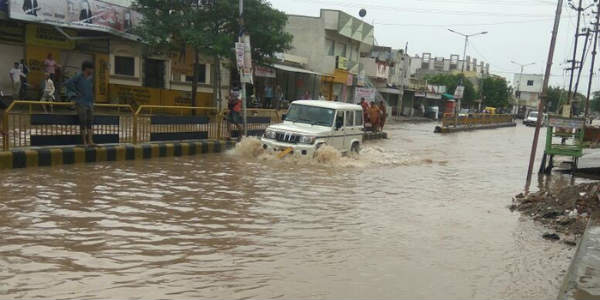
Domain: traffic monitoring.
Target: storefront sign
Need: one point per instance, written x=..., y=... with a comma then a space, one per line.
x=420, y=94
x=101, y=77
x=244, y=59
x=459, y=92
x=367, y=93
x=262, y=71
x=79, y=14
x=561, y=122
x=436, y=89
x=136, y=96
x=341, y=63
x=47, y=36
x=183, y=63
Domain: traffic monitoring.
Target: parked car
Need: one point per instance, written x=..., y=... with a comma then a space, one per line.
x=310, y=124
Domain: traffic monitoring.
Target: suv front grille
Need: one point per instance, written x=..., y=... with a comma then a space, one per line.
x=287, y=137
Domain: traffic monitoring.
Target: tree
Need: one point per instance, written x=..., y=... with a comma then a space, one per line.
x=172, y=27
x=595, y=102
x=451, y=82
x=495, y=92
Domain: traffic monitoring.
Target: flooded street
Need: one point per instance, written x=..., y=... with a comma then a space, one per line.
x=418, y=216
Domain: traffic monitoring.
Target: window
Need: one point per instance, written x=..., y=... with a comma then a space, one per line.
x=358, y=118
x=339, y=120
x=330, y=47
x=344, y=50
x=529, y=82
x=124, y=65
x=201, y=74
x=154, y=73
x=349, y=118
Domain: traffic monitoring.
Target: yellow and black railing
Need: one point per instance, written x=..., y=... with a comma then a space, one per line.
x=472, y=120
x=34, y=123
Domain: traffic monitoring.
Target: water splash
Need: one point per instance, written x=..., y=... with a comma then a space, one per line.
x=250, y=148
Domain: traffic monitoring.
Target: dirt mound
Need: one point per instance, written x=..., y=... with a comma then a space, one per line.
x=565, y=210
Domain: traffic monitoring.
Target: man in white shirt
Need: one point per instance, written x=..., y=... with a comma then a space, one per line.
x=15, y=77
x=48, y=93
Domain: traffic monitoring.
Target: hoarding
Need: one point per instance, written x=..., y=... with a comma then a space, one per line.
x=79, y=14
x=367, y=93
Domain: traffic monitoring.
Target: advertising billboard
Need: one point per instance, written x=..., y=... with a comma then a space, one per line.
x=79, y=14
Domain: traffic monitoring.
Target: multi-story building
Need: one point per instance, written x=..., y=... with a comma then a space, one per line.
x=125, y=71
x=332, y=43
x=424, y=65
x=527, y=89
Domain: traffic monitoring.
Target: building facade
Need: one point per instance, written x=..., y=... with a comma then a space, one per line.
x=528, y=89
x=332, y=43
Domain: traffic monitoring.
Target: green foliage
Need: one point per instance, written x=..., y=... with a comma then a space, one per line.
x=496, y=92
x=171, y=26
x=451, y=82
x=595, y=102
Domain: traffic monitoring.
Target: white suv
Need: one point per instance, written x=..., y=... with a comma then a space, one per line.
x=310, y=124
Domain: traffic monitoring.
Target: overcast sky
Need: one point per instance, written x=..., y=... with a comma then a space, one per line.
x=519, y=30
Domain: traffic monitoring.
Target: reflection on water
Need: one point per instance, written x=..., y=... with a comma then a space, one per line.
x=416, y=216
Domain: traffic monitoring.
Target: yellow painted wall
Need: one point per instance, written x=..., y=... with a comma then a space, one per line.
x=137, y=96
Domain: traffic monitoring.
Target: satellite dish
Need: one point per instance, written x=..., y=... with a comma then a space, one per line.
x=362, y=13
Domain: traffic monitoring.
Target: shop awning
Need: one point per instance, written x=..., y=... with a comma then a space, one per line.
x=293, y=69
x=448, y=96
x=390, y=91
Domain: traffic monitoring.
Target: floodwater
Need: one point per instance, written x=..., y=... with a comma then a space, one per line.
x=417, y=216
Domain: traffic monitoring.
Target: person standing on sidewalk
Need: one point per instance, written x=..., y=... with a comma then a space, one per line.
x=48, y=92
x=80, y=89
x=16, y=77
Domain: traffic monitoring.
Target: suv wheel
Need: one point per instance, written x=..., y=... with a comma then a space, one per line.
x=355, y=148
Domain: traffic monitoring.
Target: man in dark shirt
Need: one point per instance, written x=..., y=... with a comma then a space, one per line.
x=80, y=89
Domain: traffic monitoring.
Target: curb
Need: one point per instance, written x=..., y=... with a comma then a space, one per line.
x=56, y=156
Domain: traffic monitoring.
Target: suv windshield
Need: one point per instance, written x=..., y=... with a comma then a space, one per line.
x=533, y=114
x=310, y=115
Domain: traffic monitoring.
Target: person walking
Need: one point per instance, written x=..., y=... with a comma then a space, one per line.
x=278, y=97
x=50, y=66
x=268, y=93
x=24, y=83
x=235, y=117
x=16, y=77
x=48, y=92
x=80, y=89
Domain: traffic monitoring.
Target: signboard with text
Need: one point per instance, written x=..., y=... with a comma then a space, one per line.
x=367, y=93
x=78, y=14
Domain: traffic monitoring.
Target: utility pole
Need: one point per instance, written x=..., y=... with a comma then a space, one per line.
x=581, y=64
x=242, y=39
x=594, y=52
x=544, y=92
x=518, y=91
x=574, y=61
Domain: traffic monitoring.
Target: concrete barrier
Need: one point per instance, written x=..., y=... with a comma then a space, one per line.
x=441, y=129
x=53, y=156
x=583, y=278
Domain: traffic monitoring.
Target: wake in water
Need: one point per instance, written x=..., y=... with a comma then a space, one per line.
x=250, y=148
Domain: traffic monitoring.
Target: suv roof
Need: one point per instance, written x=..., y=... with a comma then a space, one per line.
x=328, y=104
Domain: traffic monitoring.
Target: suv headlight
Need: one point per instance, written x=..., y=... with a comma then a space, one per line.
x=270, y=134
x=305, y=139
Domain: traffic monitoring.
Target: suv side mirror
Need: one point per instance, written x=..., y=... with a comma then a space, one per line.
x=283, y=117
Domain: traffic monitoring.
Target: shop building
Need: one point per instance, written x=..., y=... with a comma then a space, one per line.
x=332, y=43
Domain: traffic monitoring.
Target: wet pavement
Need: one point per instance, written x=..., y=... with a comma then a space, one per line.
x=421, y=215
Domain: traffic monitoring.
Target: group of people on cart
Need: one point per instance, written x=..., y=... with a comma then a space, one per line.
x=374, y=114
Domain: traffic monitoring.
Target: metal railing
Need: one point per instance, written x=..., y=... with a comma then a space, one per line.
x=23, y=120
x=145, y=127
x=452, y=120
x=18, y=128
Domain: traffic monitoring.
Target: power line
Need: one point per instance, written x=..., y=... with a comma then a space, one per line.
x=466, y=24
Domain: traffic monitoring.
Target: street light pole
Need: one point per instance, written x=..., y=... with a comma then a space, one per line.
x=520, y=79
x=467, y=36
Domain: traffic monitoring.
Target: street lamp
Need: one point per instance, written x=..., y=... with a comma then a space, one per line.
x=518, y=91
x=467, y=36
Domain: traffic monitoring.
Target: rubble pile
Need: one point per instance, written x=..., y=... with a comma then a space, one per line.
x=566, y=210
